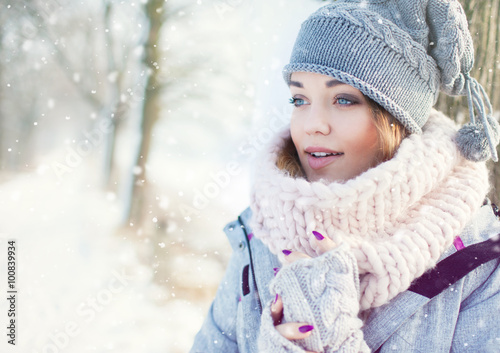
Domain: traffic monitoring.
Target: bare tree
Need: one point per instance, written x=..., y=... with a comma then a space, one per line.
x=92, y=68
x=154, y=10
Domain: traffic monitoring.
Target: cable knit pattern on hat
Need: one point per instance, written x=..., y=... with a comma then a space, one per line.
x=401, y=42
x=323, y=292
x=398, y=218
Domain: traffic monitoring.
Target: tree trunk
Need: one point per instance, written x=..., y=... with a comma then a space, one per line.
x=484, y=26
x=116, y=112
x=151, y=109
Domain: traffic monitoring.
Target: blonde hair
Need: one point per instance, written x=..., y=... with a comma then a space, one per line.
x=390, y=131
x=390, y=134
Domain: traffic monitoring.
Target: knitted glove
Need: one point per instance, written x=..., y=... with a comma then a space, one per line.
x=321, y=291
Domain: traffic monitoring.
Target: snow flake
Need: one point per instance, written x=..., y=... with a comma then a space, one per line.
x=112, y=76
x=137, y=170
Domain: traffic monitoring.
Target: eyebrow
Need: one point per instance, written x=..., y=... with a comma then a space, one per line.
x=328, y=84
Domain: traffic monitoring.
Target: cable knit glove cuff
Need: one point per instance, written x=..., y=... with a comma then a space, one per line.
x=270, y=341
x=323, y=292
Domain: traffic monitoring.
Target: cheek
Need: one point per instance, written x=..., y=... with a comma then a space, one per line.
x=365, y=139
x=295, y=131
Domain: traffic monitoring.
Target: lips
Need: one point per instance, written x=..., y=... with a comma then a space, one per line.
x=319, y=157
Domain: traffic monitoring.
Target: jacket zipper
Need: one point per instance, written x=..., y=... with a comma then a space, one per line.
x=251, y=263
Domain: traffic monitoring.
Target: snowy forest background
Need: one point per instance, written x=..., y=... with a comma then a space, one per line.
x=127, y=134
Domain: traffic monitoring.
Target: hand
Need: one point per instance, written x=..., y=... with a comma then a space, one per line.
x=290, y=330
x=297, y=330
x=324, y=244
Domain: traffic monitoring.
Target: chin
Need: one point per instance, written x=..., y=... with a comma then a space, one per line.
x=313, y=177
x=326, y=178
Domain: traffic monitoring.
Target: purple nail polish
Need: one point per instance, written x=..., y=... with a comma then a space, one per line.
x=286, y=252
x=276, y=269
x=276, y=299
x=306, y=328
x=318, y=235
x=250, y=236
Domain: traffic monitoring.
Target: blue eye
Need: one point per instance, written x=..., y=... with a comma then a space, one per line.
x=297, y=101
x=344, y=101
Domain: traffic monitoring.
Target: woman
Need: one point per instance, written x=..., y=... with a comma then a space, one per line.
x=365, y=192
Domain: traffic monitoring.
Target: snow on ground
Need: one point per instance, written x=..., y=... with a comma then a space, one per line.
x=81, y=286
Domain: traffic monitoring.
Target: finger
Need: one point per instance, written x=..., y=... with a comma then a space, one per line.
x=292, y=256
x=277, y=310
x=324, y=243
x=294, y=330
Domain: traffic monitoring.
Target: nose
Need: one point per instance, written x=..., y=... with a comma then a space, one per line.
x=318, y=121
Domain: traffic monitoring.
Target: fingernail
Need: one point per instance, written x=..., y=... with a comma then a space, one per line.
x=318, y=235
x=250, y=236
x=286, y=252
x=306, y=328
x=276, y=269
x=276, y=299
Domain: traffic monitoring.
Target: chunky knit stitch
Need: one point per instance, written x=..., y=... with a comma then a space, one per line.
x=398, y=218
x=323, y=292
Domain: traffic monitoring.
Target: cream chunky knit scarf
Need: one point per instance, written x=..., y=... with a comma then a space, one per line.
x=397, y=218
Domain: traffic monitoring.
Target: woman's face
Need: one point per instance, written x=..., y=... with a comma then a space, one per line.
x=332, y=128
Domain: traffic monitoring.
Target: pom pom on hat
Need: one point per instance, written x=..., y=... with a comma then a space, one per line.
x=477, y=141
x=473, y=143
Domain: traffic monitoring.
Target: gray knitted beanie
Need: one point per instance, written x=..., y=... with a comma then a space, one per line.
x=400, y=53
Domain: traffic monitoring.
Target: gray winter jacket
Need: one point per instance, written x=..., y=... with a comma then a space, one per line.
x=463, y=318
